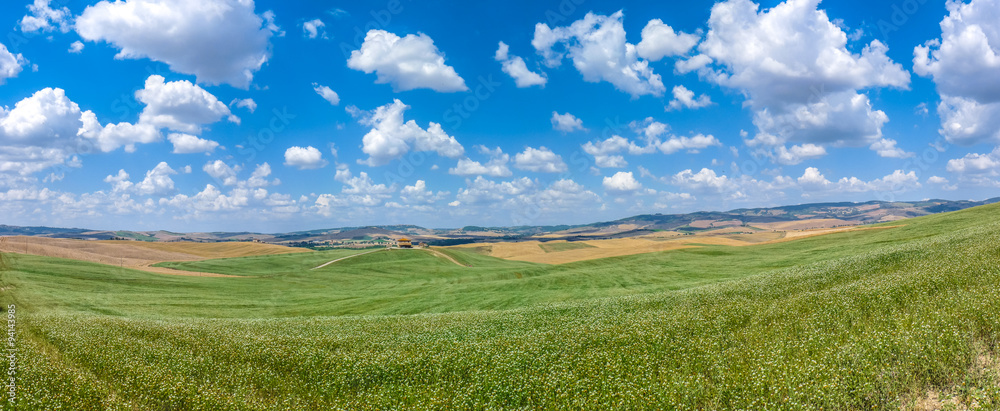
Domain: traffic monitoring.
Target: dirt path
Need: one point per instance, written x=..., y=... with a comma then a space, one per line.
x=170, y=271
x=344, y=258
x=446, y=257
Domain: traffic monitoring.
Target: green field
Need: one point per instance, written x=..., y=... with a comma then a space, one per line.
x=557, y=247
x=870, y=319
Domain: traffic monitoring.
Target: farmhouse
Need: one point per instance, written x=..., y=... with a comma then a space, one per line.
x=404, y=243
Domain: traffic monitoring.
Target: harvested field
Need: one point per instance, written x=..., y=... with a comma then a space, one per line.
x=139, y=255
x=568, y=252
x=559, y=246
x=214, y=250
x=805, y=224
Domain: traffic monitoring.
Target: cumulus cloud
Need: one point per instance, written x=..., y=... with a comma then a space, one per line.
x=600, y=52
x=246, y=103
x=219, y=41
x=408, y=63
x=361, y=190
x=804, y=91
x=495, y=167
x=660, y=40
x=796, y=154
x=887, y=148
x=222, y=172
x=539, y=160
x=566, y=123
x=516, y=68
x=814, y=181
x=705, y=180
x=42, y=17
x=976, y=164
x=329, y=95
x=157, y=181
x=188, y=144
x=487, y=192
x=76, y=47
x=965, y=61
x=966, y=121
x=48, y=129
x=314, y=28
x=391, y=138
x=622, y=183
x=304, y=158
x=684, y=98
x=179, y=105
x=419, y=194
x=10, y=64
x=608, y=153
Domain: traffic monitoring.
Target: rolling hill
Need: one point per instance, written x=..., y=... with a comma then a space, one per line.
x=906, y=317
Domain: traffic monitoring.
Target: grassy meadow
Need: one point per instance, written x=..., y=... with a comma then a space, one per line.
x=900, y=317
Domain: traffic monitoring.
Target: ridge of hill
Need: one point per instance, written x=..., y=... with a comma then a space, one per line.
x=803, y=216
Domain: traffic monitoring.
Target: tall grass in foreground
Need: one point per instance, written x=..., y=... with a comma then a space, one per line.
x=878, y=330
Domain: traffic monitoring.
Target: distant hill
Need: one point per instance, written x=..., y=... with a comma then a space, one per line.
x=803, y=216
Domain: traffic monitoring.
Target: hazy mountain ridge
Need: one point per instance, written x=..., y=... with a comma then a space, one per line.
x=818, y=214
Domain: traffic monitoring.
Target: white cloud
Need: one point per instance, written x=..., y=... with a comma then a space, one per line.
x=976, y=164
x=419, y=194
x=48, y=129
x=684, y=98
x=391, y=138
x=495, y=167
x=76, y=47
x=486, y=192
x=179, y=105
x=517, y=69
x=329, y=95
x=887, y=148
x=314, y=28
x=660, y=40
x=814, y=181
x=157, y=181
x=259, y=177
x=119, y=182
x=797, y=154
x=937, y=180
x=304, y=158
x=222, y=172
x=705, y=180
x=362, y=190
x=10, y=64
x=692, y=144
x=805, y=90
x=622, y=183
x=966, y=121
x=408, y=63
x=539, y=160
x=246, y=103
x=188, y=144
x=965, y=65
x=943, y=182
x=605, y=152
x=112, y=136
x=600, y=52
x=965, y=61
x=219, y=41
x=42, y=17
x=566, y=123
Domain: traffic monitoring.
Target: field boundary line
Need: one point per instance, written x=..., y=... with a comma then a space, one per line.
x=344, y=258
x=446, y=256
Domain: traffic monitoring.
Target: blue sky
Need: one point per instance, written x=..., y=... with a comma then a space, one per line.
x=198, y=115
